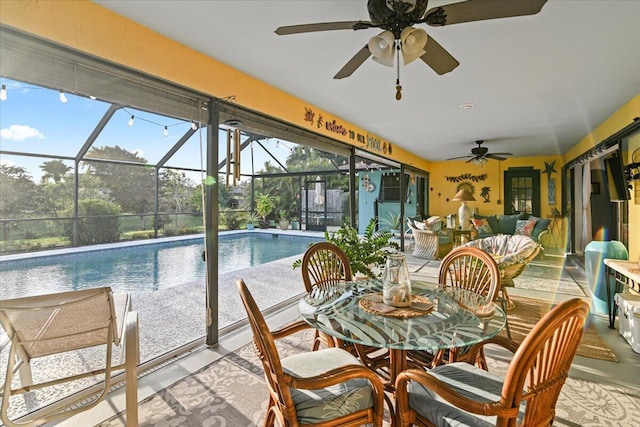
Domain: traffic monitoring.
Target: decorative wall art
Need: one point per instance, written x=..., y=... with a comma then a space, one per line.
x=485, y=194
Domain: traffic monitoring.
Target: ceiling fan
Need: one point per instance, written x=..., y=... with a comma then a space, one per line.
x=397, y=17
x=480, y=155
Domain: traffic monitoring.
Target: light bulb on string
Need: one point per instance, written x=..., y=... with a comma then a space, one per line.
x=131, y=120
x=3, y=93
x=166, y=131
x=194, y=126
x=63, y=97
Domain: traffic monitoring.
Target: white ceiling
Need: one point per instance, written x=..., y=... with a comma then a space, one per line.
x=540, y=83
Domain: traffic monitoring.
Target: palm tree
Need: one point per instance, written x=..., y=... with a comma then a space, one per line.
x=54, y=169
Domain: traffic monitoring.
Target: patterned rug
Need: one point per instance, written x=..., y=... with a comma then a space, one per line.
x=528, y=311
x=232, y=392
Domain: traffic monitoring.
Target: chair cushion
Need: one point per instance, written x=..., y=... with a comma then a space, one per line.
x=541, y=225
x=525, y=227
x=315, y=406
x=467, y=380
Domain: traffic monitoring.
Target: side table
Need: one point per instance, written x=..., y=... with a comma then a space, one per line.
x=459, y=234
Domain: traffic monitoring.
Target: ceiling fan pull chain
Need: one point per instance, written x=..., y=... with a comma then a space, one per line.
x=398, y=87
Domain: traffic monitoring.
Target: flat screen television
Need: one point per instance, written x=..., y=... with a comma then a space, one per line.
x=616, y=179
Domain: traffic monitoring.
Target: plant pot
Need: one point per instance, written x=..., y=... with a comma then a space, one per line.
x=284, y=225
x=264, y=225
x=250, y=227
x=295, y=225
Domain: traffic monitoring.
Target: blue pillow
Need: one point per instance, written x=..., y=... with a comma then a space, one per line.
x=507, y=223
x=541, y=225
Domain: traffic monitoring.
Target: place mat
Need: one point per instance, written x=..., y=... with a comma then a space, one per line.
x=372, y=303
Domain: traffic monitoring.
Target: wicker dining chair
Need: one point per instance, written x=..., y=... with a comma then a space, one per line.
x=472, y=270
x=324, y=264
x=327, y=387
x=462, y=394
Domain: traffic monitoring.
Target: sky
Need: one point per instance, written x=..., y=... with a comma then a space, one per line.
x=35, y=120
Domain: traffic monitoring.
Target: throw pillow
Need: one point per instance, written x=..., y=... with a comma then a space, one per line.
x=482, y=225
x=492, y=220
x=433, y=223
x=507, y=223
x=541, y=225
x=420, y=225
x=525, y=227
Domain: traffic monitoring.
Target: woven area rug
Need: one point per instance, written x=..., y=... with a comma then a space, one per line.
x=232, y=392
x=529, y=311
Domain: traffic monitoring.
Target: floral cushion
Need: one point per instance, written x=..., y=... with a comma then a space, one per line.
x=482, y=225
x=525, y=227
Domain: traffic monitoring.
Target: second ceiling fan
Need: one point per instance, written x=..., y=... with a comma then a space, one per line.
x=400, y=38
x=480, y=155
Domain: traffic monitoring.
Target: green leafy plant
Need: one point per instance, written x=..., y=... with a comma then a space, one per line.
x=365, y=252
x=393, y=221
x=265, y=204
x=253, y=218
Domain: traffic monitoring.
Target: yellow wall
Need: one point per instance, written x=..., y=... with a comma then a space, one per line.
x=444, y=189
x=90, y=28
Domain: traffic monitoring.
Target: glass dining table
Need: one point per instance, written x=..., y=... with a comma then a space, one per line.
x=438, y=319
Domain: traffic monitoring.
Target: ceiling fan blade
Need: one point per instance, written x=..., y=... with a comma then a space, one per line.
x=472, y=159
x=353, y=64
x=494, y=157
x=323, y=26
x=502, y=154
x=461, y=157
x=479, y=10
x=438, y=58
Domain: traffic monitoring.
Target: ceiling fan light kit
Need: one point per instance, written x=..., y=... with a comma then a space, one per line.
x=397, y=17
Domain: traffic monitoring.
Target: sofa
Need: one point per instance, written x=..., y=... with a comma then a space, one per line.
x=518, y=224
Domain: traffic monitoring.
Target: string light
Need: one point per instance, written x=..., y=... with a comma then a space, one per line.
x=131, y=120
x=3, y=93
x=166, y=131
x=194, y=126
x=63, y=97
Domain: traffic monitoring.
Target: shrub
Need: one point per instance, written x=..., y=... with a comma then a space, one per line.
x=97, y=222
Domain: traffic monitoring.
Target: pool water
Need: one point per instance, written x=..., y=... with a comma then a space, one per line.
x=143, y=268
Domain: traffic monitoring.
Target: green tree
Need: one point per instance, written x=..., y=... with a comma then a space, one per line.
x=176, y=191
x=129, y=185
x=54, y=170
x=18, y=197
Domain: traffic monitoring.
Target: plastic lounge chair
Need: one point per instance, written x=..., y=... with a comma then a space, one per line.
x=45, y=325
x=327, y=387
x=462, y=394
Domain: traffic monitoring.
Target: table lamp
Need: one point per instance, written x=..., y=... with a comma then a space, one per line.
x=464, y=213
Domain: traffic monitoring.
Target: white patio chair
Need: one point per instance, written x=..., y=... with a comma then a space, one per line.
x=46, y=325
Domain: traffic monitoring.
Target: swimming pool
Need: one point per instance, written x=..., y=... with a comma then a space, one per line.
x=143, y=268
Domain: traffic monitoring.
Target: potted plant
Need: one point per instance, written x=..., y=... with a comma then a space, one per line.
x=252, y=220
x=284, y=221
x=367, y=253
x=265, y=204
x=295, y=224
x=393, y=221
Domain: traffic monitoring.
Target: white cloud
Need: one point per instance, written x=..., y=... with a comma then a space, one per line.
x=20, y=133
x=5, y=162
x=138, y=152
